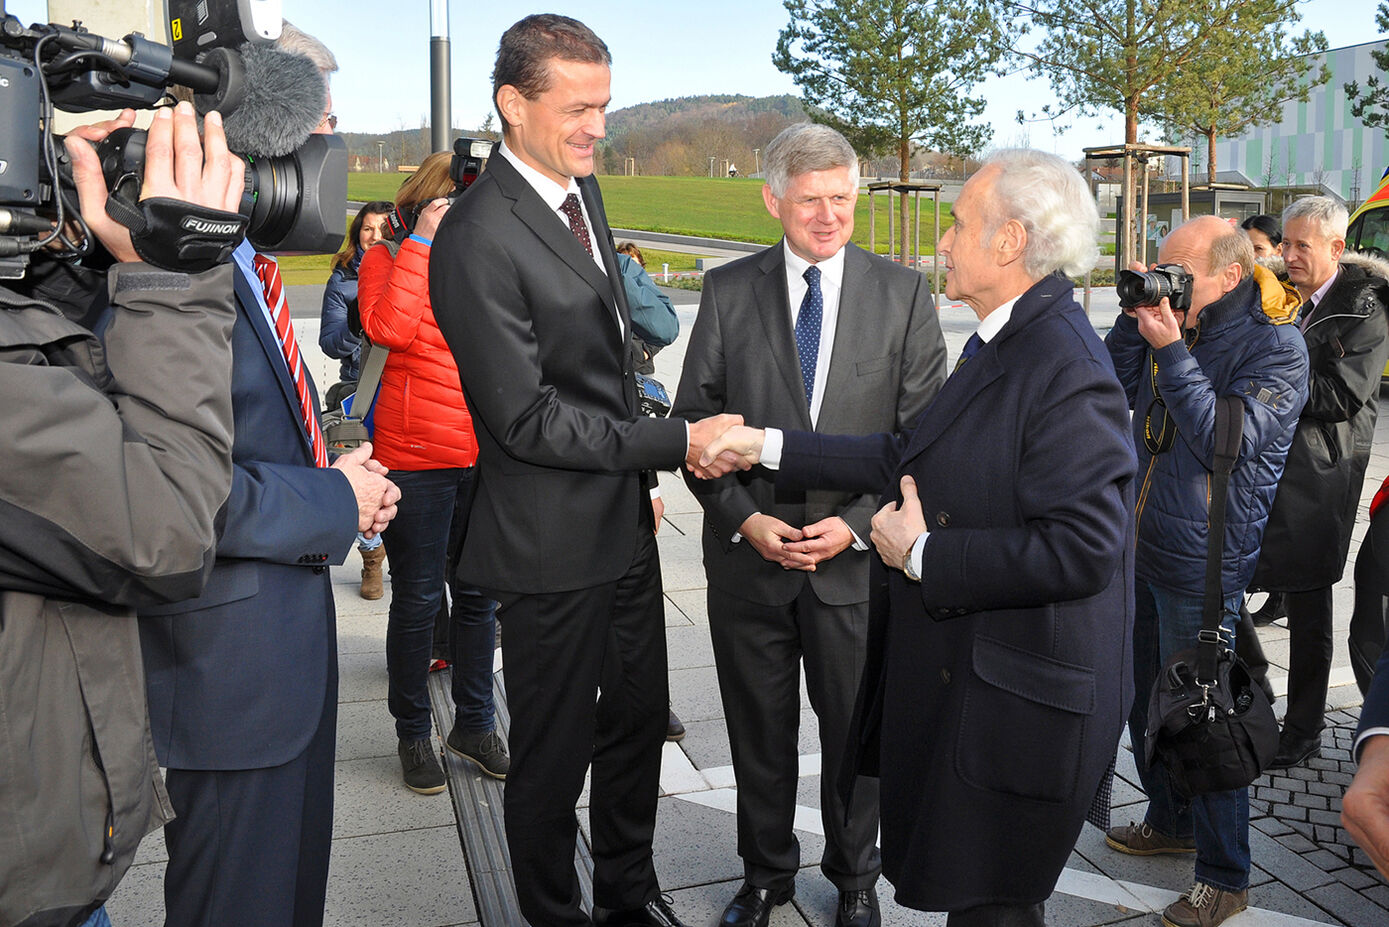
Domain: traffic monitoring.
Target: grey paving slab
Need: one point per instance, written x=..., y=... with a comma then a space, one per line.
x=706, y=742
x=699, y=693
x=1275, y=896
x=1348, y=905
x=688, y=647
x=362, y=677
x=139, y=900
x=1173, y=873
x=370, y=798
x=675, y=616
x=692, y=604
x=1288, y=866
x=410, y=879
x=682, y=566
x=365, y=729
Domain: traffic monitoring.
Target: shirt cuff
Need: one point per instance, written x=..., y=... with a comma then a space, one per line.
x=655, y=493
x=918, y=551
x=1364, y=736
x=858, y=541
x=771, y=450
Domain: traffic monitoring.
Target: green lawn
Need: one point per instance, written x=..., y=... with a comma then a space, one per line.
x=710, y=208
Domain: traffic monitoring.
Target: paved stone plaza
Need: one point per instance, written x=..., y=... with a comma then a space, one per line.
x=398, y=857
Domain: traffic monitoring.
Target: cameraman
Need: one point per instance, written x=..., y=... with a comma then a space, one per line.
x=1174, y=368
x=117, y=465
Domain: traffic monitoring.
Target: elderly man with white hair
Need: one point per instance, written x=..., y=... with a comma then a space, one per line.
x=998, y=675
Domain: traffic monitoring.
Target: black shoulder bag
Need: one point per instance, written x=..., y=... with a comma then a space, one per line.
x=1209, y=723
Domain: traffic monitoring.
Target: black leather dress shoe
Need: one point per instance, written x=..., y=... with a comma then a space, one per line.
x=1274, y=607
x=858, y=909
x=655, y=913
x=752, y=906
x=1294, y=751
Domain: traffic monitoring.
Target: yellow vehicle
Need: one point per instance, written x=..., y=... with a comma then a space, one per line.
x=1369, y=225
x=1369, y=232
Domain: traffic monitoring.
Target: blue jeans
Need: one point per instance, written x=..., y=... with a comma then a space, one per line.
x=98, y=919
x=1166, y=623
x=430, y=521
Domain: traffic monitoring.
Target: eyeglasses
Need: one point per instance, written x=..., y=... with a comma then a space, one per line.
x=331, y=119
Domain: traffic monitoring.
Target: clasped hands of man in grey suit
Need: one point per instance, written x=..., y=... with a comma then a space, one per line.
x=895, y=527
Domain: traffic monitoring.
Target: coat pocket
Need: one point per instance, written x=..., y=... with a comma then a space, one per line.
x=1024, y=721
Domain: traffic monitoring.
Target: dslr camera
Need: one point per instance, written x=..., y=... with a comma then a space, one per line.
x=1147, y=288
x=469, y=155
x=271, y=101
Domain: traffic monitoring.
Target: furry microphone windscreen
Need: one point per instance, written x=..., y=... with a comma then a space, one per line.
x=285, y=98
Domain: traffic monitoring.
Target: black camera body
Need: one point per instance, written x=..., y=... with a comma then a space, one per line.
x=294, y=201
x=1147, y=288
x=469, y=156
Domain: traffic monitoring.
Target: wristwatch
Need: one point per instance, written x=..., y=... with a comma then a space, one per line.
x=908, y=568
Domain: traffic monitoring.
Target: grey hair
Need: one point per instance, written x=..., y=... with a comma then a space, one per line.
x=1049, y=197
x=1232, y=247
x=805, y=147
x=296, y=40
x=1330, y=216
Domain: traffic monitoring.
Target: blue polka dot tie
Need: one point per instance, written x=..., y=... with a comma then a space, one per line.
x=808, y=328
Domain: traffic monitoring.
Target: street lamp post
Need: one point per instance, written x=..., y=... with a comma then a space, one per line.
x=756, y=161
x=711, y=167
x=380, y=157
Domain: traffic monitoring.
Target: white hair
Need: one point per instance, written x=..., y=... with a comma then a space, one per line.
x=1328, y=215
x=1049, y=197
x=296, y=40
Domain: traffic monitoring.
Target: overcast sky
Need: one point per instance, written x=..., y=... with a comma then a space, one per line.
x=660, y=49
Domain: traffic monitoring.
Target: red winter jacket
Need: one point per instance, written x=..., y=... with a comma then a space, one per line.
x=422, y=422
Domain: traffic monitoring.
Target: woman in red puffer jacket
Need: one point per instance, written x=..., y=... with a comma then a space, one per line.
x=424, y=434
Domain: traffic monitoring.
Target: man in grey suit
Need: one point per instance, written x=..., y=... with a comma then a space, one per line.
x=812, y=334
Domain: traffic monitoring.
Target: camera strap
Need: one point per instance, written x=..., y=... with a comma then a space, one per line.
x=173, y=234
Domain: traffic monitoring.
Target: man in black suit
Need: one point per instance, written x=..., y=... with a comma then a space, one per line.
x=527, y=292
x=788, y=572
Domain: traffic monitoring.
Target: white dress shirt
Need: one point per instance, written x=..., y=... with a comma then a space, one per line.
x=831, y=286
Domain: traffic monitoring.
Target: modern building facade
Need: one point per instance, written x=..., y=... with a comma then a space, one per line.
x=1317, y=143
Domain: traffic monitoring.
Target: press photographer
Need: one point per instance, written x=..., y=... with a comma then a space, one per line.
x=1176, y=369
x=118, y=465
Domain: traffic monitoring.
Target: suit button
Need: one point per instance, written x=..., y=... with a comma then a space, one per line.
x=961, y=611
x=945, y=676
x=943, y=519
x=319, y=569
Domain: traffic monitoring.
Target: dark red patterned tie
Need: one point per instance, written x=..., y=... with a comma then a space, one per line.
x=269, y=273
x=577, y=225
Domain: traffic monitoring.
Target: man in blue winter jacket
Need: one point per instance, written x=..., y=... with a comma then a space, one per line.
x=1174, y=368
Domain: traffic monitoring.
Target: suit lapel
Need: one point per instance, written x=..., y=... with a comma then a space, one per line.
x=547, y=226
x=249, y=303
x=774, y=309
x=858, y=294
x=967, y=384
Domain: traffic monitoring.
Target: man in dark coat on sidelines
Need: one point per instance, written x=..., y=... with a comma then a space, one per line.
x=1345, y=323
x=998, y=672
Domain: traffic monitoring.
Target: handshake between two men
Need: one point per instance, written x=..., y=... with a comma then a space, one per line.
x=722, y=444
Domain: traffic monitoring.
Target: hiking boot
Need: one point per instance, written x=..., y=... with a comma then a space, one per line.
x=372, y=587
x=1141, y=840
x=485, y=748
x=1204, y=906
x=421, y=767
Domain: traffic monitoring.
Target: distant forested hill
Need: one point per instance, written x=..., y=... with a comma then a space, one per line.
x=667, y=138
x=678, y=137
